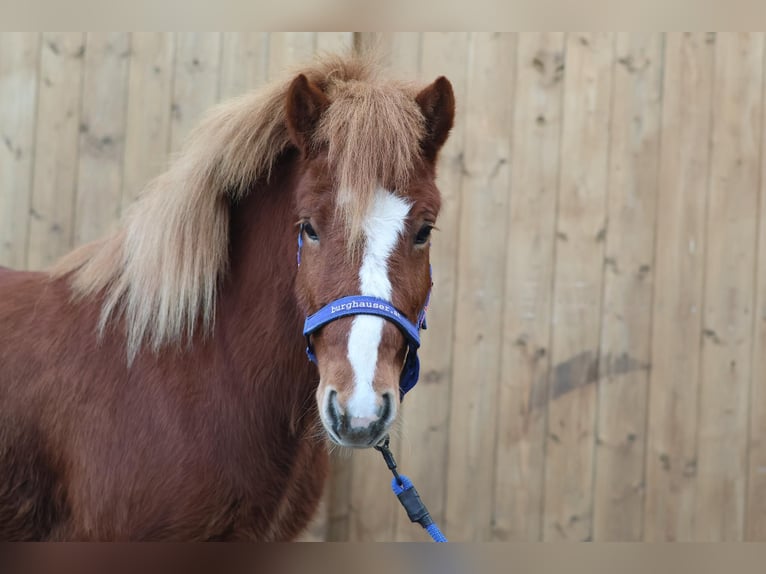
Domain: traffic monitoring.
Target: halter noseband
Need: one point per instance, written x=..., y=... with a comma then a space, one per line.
x=366, y=305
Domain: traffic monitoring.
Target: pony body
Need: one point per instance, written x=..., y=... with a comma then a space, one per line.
x=220, y=443
x=154, y=384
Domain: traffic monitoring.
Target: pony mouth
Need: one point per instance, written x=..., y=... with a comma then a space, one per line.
x=360, y=440
x=334, y=438
x=369, y=443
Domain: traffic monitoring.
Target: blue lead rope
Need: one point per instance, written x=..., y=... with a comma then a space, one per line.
x=410, y=499
x=408, y=496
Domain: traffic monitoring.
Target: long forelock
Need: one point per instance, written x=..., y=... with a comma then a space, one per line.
x=161, y=270
x=373, y=136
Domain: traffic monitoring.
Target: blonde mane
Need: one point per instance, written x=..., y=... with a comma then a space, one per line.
x=162, y=268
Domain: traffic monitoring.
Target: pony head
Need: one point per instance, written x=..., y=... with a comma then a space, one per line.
x=366, y=202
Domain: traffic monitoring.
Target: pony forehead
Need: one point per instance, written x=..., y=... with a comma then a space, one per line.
x=372, y=133
x=372, y=136
x=318, y=190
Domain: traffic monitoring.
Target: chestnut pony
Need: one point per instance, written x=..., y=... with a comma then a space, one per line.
x=154, y=385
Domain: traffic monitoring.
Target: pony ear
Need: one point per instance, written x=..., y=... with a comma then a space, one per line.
x=437, y=102
x=305, y=104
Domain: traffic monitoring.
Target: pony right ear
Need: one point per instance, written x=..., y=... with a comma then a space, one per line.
x=437, y=102
x=305, y=104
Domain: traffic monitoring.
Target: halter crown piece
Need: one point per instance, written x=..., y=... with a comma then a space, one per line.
x=366, y=305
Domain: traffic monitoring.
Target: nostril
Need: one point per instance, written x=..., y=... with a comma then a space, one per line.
x=333, y=408
x=333, y=399
x=386, y=409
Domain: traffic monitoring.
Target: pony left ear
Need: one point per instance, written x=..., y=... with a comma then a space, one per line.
x=437, y=102
x=305, y=104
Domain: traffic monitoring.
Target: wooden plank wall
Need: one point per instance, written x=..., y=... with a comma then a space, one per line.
x=595, y=367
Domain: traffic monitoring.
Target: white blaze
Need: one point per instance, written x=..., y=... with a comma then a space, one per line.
x=382, y=227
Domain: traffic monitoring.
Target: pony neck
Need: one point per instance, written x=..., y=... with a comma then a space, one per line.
x=258, y=315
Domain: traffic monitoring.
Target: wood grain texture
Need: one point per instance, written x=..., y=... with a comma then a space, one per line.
x=338, y=493
x=19, y=60
x=56, y=137
x=729, y=280
x=528, y=287
x=195, y=82
x=595, y=363
x=287, y=50
x=580, y=235
x=480, y=288
x=150, y=87
x=102, y=135
x=755, y=509
x=625, y=347
x=244, y=62
x=671, y=463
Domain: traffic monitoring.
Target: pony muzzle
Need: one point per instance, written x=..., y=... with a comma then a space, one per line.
x=358, y=395
x=353, y=427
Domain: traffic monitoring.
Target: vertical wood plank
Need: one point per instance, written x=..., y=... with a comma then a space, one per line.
x=624, y=357
x=316, y=531
x=580, y=234
x=56, y=137
x=671, y=461
x=150, y=88
x=19, y=59
x=400, y=51
x=195, y=82
x=480, y=290
x=729, y=278
x=755, y=510
x=244, y=62
x=529, y=271
x=102, y=135
x=338, y=494
x=371, y=506
x=423, y=447
x=286, y=49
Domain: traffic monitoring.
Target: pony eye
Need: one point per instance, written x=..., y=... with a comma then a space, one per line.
x=423, y=235
x=309, y=231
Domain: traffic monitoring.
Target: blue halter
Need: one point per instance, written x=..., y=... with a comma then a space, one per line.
x=366, y=305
